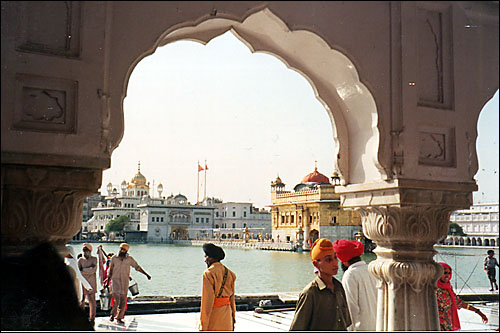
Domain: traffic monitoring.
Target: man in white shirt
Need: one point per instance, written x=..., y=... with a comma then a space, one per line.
x=359, y=285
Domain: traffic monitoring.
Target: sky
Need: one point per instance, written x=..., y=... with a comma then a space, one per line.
x=247, y=115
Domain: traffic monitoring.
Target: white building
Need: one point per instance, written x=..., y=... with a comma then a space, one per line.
x=125, y=203
x=175, y=219
x=231, y=219
x=480, y=223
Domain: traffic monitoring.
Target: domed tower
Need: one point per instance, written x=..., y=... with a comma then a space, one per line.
x=315, y=177
x=138, y=186
x=311, y=181
x=277, y=185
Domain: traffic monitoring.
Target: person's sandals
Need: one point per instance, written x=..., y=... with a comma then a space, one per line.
x=111, y=318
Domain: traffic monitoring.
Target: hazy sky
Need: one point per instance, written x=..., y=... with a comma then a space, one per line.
x=248, y=115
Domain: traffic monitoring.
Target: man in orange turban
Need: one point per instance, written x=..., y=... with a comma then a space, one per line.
x=322, y=304
x=119, y=275
x=359, y=284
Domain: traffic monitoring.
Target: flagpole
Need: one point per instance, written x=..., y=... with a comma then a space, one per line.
x=205, y=196
x=198, y=184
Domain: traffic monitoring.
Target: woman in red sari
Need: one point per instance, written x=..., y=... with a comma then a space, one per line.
x=449, y=303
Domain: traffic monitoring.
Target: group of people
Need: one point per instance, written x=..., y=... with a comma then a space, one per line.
x=324, y=304
x=115, y=276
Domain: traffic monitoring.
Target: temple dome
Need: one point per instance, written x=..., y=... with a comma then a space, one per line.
x=315, y=177
x=139, y=178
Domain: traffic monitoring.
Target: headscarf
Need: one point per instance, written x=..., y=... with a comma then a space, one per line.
x=125, y=246
x=348, y=249
x=455, y=321
x=213, y=251
x=321, y=247
x=72, y=264
x=88, y=246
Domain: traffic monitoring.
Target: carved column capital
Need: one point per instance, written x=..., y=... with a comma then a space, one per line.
x=405, y=218
x=417, y=275
x=422, y=226
x=43, y=204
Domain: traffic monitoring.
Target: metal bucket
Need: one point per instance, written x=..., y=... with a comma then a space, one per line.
x=105, y=298
x=134, y=288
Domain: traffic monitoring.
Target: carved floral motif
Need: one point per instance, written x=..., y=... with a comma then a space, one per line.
x=42, y=204
x=405, y=237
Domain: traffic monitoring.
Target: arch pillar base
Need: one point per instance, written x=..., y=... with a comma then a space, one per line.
x=405, y=219
x=43, y=204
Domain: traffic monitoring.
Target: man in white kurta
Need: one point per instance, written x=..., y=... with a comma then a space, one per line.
x=359, y=284
x=119, y=274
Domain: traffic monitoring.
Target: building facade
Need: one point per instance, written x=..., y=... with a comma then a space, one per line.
x=176, y=219
x=232, y=219
x=480, y=224
x=122, y=202
x=311, y=211
x=89, y=203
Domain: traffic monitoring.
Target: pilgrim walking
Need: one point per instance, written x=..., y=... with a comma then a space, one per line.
x=119, y=273
x=218, y=308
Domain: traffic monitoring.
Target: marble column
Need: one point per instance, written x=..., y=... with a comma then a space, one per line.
x=43, y=204
x=405, y=220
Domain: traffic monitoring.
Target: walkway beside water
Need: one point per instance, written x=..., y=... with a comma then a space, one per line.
x=266, y=321
x=251, y=244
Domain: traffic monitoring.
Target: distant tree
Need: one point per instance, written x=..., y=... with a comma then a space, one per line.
x=117, y=224
x=455, y=230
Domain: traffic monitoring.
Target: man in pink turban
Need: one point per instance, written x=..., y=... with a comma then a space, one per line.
x=359, y=284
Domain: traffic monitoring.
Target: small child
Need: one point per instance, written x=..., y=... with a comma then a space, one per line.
x=490, y=262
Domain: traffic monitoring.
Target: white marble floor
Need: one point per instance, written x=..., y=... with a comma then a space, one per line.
x=249, y=321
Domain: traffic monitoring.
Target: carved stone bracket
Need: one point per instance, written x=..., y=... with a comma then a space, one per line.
x=41, y=204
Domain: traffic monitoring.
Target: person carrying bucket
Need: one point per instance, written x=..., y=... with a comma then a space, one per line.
x=119, y=273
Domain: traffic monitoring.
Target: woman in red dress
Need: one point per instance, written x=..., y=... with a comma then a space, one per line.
x=449, y=303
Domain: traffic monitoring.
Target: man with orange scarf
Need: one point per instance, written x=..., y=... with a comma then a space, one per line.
x=218, y=308
x=449, y=303
x=322, y=304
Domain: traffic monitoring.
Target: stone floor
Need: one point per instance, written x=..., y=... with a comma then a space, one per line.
x=250, y=321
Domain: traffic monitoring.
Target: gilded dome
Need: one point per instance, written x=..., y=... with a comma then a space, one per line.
x=139, y=178
x=315, y=177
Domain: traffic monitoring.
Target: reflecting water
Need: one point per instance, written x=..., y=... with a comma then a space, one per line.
x=177, y=269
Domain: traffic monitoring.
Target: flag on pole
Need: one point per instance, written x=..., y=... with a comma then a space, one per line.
x=200, y=168
x=206, y=168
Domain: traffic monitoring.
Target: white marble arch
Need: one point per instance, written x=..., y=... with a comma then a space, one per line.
x=414, y=116
x=332, y=75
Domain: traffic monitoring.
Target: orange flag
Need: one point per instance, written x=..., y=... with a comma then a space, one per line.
x=206, y=168
x=200, y=168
